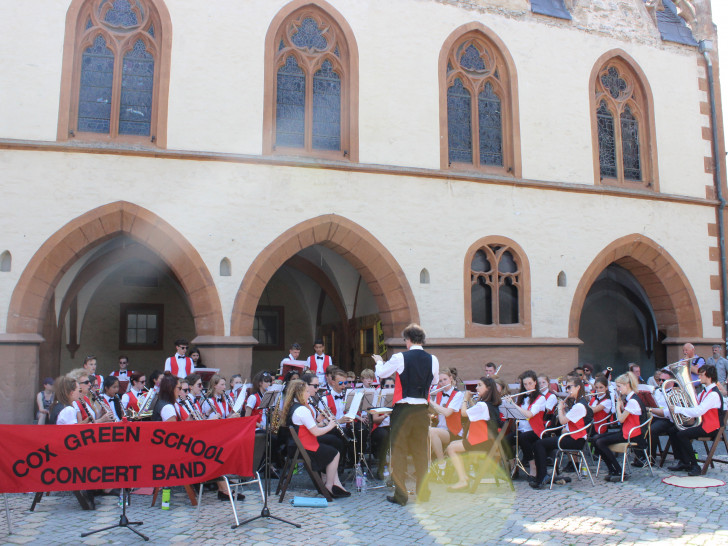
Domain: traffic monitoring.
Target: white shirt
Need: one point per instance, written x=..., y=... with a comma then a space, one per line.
x=662, y=404
x=551, y=399
x=632, y=406
x=577, y=412
x=455, y=404
x=112, y=406
x=168, y=411
x=89, y=409
x=303, y=416
x=396, y=365
x=710, y=400
x=339, y=402
x=251, y=403
x=125, y=398
x=181, y=365
x=538, y=406
x=606, y=402
x=67, y=416
x=479, y=412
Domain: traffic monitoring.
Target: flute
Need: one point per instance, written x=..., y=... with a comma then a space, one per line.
x=517, y=394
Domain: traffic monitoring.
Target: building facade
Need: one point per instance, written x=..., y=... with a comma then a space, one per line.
x=531, y=181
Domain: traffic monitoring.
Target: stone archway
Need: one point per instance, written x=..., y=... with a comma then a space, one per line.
x=376, y=265
x=33, y=293
x=673, y=300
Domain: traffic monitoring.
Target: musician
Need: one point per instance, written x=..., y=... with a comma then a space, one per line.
x=662, y=424
x=165, y=408
x=261, y=382
x=217, y=402
x=89, y=363
x=319, y=362
x=482, y=431
x=380, y=433
x=131, y=397
x=414, y=371
x=601, y=405
x=155, y=378
x=573, y=413
x=236, y=386
x=368, y=378
x=711, y=408
x=533, y=405
x=179, y=364
x=64, y=411
x=631, y=412
x=695, y=362
x=109, y=398
x=196, y=356
x=589, y=377
x=544, y=387
x=336, y=399
x=293, y=354
x=334, y=438
x=88, y=411
x=491, y=370
x=449, y=425
x=635, y=369
x=123, y=374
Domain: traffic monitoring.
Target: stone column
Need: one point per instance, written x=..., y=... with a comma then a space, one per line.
x=232, y=354
x=20, y=382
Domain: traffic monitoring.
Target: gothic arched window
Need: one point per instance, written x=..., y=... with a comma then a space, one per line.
x=118, y=59
x=310, y=83
x=478, y=131
x=622, y=125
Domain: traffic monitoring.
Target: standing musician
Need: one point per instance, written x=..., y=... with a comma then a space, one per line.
x=601, y=405
x=710, y=407
x=380, y=433
x=130, y=400
x=574, y=413
x=631, y=412
x=482, y=431
x=165, y=408
x=110, y=400
x=90, y=364
x=449, y=424
x=533, y=405
x=217, y=403
x=261, y=382
x=302, y=418
x=293, y=354
x=64, y=411
x=319, y=362
x=414, y=371
x=179, y=364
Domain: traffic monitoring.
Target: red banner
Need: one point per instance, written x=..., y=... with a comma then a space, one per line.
x=37, y=458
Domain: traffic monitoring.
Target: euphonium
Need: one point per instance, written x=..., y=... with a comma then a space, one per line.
x=145, y=407
x=684, y=396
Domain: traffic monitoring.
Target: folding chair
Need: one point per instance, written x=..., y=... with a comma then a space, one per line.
x=629, y=446
x=483, y=463
x=236, y=483
x=719, y=437
x=572, y=453
x=315, y=476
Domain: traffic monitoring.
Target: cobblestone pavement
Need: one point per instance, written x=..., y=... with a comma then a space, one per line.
x=639, y=511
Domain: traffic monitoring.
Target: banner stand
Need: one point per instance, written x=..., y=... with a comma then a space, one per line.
x=7, y=515
x=123, y=520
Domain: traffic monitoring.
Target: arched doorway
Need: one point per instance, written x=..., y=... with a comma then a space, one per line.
x=326, y=277
x=118, y=246
x=633, y=300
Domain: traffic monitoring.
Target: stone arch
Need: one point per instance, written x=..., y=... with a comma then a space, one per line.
x=376, y=265
x=670, y=294
x=33, y=293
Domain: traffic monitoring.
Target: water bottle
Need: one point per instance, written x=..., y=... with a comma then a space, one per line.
x=166, y=494
x=120, y=502
x=364, y=483
x=386, y=472
x=358, y=477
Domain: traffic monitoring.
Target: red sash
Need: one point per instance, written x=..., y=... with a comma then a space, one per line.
x=313, y=366
x=133, y=401
x=536, y=421
x=478, y=432
x=222, y=407
x=182, y=415
x=256, y=409
x=308, y=440
x=332, y=404
x=711, y=421
x=453, y=421
x=598, y=416
x=82, y=409
x=174, y=366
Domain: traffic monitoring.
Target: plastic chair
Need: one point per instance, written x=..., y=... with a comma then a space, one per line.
x=572, y=453
x=630, y=446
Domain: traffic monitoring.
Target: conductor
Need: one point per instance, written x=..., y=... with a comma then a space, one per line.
x=414, y=371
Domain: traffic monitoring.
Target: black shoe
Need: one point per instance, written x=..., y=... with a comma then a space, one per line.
x=694, y=470
x=394, y=500
x=531, y=479
x=616, y=477
x=336, y=490
x=679, y=466
x=223, y=497
x=540, y=484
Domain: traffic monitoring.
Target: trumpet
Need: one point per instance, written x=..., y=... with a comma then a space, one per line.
x=324, y=408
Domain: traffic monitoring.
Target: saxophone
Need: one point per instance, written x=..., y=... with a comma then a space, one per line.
x=275, y=418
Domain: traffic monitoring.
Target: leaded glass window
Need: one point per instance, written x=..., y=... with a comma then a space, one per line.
x=115, y=33
x=475, y=102
x=311, y=85
x=495, y=279
x=620, y=124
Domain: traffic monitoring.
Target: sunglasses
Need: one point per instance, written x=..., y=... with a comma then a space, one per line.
x=569, y=387
x=186, y=390
x=87, y=382
x=343, y=382
x=314, y=385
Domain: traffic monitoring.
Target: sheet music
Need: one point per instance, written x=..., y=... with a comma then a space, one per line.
x=511, y=411
x=354, y=408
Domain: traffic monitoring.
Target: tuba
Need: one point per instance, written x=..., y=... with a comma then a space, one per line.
x=683, y=396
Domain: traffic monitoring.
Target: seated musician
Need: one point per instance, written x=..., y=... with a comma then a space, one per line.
x=301, y=416
x=89, y=412
x=601, y=405
x=131, y=397
x=482, y=431
x=544, y=387
x=195, y=396
x=449, y=426
x=711, y=408
x=64, y=411
x=183, y=410
x=380, y=434
x=368, y=378
x=630, y=413
x=333, y=438
x=574, y=413
x=533, y=405
x=153, y=381
x=110, y=399
x=165, y=407
x=261, y=382
x=217, y=402
x=237, y=387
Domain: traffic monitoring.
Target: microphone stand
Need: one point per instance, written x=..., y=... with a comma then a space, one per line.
x=266, y=403
x=123, y=520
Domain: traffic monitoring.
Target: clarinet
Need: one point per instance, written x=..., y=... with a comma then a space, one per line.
x=212, y=406
x=323, y=408
x=192, y=410
x=82, y=401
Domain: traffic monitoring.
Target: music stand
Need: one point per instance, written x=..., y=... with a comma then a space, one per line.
x=269, y=400
x=512, y=411
x=123, y=520
x=353, y=408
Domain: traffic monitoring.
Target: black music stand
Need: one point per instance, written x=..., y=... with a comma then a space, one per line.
x=123, y=520
x=364, y=405
x=512, y=411
x=270, y=399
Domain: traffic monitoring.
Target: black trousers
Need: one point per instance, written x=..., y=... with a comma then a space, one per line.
x=602, y=443
x=380, y=446
x=682, y=443
x=526, y=441
x=660, y=427
x=543, y=447
x=409, y=426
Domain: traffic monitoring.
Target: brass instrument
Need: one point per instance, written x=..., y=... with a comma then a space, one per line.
x=275, y=417
x=323, y=407
x=684, y=396
x=145, y=406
